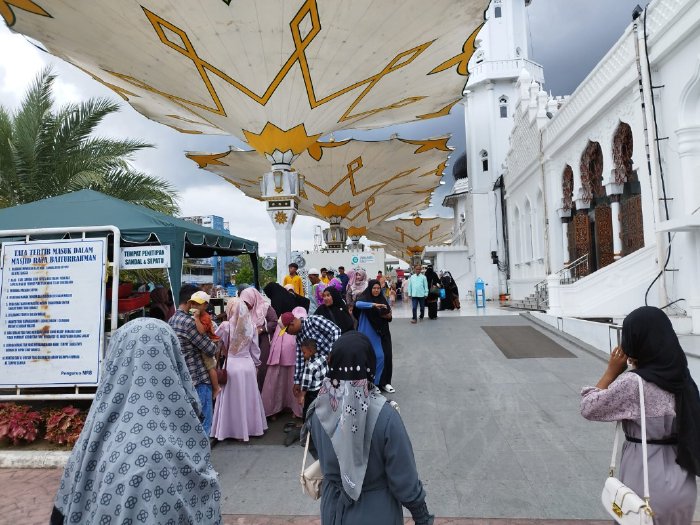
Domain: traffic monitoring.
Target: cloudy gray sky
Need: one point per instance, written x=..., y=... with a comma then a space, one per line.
x=568, y=38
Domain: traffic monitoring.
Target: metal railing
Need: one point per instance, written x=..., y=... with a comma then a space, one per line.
x=574, y=271
x=542, y=295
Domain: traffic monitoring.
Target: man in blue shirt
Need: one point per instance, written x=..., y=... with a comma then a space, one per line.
x=343, y=278
x=418, y=291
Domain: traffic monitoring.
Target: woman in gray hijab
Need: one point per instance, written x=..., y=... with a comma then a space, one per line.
x=142, y=456
x=369, y=471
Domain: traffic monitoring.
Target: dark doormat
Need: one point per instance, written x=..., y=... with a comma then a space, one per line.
x=524, y=342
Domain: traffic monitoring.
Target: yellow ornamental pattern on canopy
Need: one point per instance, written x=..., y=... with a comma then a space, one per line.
x=277, y=73
x=360, y=182
x=409, y=236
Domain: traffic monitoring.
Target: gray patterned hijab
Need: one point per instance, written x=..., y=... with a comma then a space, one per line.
x=143, y=456
x=348, y=406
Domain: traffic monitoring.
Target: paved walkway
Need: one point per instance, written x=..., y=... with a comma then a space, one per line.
x=496, y=440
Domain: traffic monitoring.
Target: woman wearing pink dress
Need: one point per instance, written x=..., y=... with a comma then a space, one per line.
x=239, y=411
x=277, y=391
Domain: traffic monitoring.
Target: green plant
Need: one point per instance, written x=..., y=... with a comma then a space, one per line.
x=47, y=151
x=18, y=423
x=63, y=425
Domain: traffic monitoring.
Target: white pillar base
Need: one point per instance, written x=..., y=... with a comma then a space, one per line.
x=284, y=250
x=616, y=229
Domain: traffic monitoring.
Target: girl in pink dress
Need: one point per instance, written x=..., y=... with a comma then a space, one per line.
x=239, y=411
x=277, y=391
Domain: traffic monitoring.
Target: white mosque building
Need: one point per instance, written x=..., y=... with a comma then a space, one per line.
x=586, y=207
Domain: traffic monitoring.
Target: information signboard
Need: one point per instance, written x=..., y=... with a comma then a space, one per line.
x=52, y=308
x=145, y=257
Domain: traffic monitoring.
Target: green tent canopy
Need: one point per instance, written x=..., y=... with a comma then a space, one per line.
x=138, y=225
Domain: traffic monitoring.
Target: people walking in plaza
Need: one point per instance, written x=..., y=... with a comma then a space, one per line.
x=144, y=420
x=239, y=411
x=335, y=310
x=294, y=279
x=451, y=299
x=434, y=285
x=193, y=345
x=277, y=392
x=344, y=279
x=374, y=315
x=281, y=300
x=315, y=294
x=357, y=283
x=651, y=349
x=417, y=289
x=365, y=453
x=324, y=276
x=265, y=321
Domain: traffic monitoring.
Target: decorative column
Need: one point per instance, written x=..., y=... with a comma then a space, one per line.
x=689, y=153
x=565, y=216
x=614, y=191
x=280, y=189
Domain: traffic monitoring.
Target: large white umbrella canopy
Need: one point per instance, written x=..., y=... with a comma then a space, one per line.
x=278, y=74
x=406, y=237
x=359, y=183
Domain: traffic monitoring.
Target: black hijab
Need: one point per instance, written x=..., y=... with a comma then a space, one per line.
x=352, y=358
x=337, y=312
x=648, y=337
x=374, y=315
x=432, y=277
x=283, y=301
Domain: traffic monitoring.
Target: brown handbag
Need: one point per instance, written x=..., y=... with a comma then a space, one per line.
x=221, y=374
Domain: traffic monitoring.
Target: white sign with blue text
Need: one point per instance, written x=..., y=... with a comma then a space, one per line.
x=145, y=257
x=52, y=304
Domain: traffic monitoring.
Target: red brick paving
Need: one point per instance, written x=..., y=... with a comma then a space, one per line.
x=26, y=497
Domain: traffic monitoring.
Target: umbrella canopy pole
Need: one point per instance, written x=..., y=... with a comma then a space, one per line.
x=280, y=189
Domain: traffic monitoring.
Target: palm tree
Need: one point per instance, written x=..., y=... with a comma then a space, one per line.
x=45, y=153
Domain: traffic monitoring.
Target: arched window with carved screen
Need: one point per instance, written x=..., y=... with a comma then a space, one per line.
x=503, y=106
x=631, y=199
x=527, y=231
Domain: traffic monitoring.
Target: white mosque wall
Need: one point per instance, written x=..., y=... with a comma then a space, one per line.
x=457, y=261
x=608, y=96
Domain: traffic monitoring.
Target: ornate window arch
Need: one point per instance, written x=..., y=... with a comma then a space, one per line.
x=484, y=156
x=623, y=145
x=592, y=172
x=567, y=187
x=503, y=106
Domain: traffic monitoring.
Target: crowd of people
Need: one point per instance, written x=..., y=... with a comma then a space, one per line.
x=177, y=383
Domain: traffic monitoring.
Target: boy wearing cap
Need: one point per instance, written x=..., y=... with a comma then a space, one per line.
x=294, y=279
x=199, y=302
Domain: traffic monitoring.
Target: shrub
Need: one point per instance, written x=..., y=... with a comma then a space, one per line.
x=18, y=423
x=63, y=425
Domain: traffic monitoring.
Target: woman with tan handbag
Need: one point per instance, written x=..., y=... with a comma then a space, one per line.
x=364, y=451
x=671, y=409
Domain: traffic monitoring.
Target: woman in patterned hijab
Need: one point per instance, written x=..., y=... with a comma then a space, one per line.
x=142, y=456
